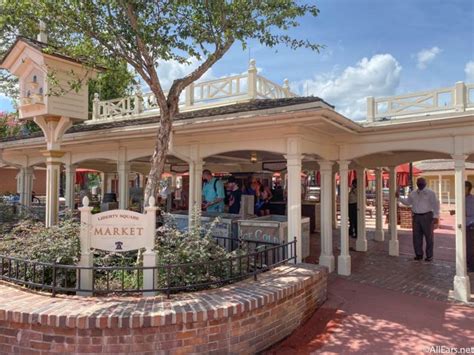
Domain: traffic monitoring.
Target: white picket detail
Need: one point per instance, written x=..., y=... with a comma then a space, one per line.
x=204, y=94
x=470, y=95
x=267, y=89
x=225, y=88
x=458, y=98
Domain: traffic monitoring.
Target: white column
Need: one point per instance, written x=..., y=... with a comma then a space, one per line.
x=70, y=172
x=103, y=184
x=108, y=185
x=123, y=172
x=293, y=162
x=393, y=247
x=379, y=235
x=440, y=188
x=460, y=96
x=361, y=242
x=25, y=185
x=191, y=191
x=252, y=80
x=462, y=287
x=195, y=187
x=344, y=260
x=53, y=169
x=327, y=256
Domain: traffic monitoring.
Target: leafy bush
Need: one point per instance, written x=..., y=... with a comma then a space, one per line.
x=195, y=259
x=32, y=240
x=11, y=214
x=196, y=246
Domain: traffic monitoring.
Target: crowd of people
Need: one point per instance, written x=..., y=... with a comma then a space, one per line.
x=216, y=195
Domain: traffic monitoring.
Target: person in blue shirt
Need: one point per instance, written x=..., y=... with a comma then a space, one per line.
x=213, y=193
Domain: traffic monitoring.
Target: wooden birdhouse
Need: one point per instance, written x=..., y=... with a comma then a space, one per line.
x=45, y=78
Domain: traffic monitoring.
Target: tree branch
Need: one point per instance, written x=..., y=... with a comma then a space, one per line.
x=155, y=84
x=179, y=84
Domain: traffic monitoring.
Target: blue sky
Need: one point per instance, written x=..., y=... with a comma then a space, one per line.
x=373, y=48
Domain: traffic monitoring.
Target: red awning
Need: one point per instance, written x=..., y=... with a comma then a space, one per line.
x=405, y=168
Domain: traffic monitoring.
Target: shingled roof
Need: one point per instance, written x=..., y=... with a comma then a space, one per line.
x=252, y=105
x=48, y=49
x=439, y=165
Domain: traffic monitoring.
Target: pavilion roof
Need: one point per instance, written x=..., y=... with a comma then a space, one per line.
x=252, y=105
x=439, y=165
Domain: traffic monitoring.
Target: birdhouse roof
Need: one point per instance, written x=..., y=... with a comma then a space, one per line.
x=46, y=49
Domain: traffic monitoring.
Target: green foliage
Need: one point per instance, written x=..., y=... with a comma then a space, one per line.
x=202, y=260
x=11, y=214
x=115, y=82
x=8, y=126
x=32, y=240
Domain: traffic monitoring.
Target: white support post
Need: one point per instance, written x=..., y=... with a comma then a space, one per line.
x=189, y=95
x=379, y=233
x=150, y=276
x=123, y=171
x=344, y=259
x=138, y=100
x=252, y=79
x=460, y=96
x=286, y=88
x=327, y=256
x=370, y=109
x=70, y=172
x=87, y=257
x=123, y=168
x=53, y=129
x=361, y=242
x=393, y=246
x=25, y=185
x=293, y=162
x=440, y=188
x=53, y=170
x=103, y=185
x=462, y=287
x=195, y=188
x=95, y=107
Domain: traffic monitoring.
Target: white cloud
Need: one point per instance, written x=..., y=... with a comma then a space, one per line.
x=426, y=56
x=172, y=70
x=377, y=76
x=469, y=70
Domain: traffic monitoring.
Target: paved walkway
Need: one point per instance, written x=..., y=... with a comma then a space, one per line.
x=388, y=304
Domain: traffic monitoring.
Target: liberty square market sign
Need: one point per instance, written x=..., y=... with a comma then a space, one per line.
x=117, y=231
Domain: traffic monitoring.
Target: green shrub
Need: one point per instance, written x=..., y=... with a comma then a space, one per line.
x=196, y=246
x=32, y=240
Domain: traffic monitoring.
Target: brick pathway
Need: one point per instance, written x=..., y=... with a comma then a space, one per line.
x=389, y=304
x=375, y=267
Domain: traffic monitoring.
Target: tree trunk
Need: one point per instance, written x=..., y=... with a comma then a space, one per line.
x=159, y=156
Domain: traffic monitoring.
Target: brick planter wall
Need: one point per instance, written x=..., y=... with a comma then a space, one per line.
x=246, y=317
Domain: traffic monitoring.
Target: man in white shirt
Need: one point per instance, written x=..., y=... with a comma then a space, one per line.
x=425, y=208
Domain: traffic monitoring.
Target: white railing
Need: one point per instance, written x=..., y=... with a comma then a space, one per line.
x=269, y=89
x=205, y=94
x=458, y=98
